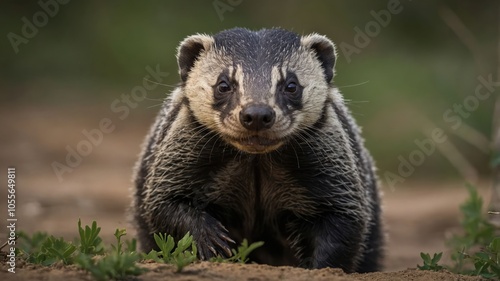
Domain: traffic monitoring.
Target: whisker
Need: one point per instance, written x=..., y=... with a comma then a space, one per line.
x=161, y=84
x=353, y=85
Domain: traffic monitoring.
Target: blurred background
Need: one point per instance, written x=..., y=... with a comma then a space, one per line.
x=406, y=69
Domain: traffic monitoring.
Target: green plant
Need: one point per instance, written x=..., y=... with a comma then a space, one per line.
x=29, y=246
x=487, y=261
x=131, y=245
x=59, y=250
x=476, y=251
x=90, y=242
x=46, y=250
x=477, y=232
x=119, y=233
x=112, y=266
x=116, y=265
x=184, y=254
x=241, y=254
x=430, y=263
x=87, y=252
x=121, y=259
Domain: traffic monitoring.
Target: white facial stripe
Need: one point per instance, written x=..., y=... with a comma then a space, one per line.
x=270, y=98
x=239, y=76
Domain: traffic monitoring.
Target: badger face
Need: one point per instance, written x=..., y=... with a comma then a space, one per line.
x=256, y=89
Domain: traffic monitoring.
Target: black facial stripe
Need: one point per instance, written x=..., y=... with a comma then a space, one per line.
x=226, y=102
x=288, y=102
x=220, y=99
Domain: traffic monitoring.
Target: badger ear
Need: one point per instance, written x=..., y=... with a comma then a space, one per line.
x=325, y=52
x=189, y=50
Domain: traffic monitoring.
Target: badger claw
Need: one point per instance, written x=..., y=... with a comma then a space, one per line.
x=212, y=239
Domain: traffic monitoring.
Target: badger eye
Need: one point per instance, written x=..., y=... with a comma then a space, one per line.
x=223, y=87
x=291, y=88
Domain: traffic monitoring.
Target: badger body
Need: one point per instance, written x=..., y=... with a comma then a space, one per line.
x=256, y=144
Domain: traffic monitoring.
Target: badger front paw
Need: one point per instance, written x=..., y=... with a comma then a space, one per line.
x=212, y=239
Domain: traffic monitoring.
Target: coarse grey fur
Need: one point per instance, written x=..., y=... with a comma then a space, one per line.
x=301, y=180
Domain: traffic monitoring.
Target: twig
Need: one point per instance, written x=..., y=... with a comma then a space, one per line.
x=474, y=137
x=451, y=19
x=4, y=244
x=454, y=156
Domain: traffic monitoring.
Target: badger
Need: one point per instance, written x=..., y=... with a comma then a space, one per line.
x=256, y=143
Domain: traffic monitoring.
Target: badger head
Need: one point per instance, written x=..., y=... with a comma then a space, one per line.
x=256, y=89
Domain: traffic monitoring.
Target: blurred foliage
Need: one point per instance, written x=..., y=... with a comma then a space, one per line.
x=415, y=68
x=475, y=249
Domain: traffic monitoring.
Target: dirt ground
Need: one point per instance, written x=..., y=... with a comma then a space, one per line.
x=418, y=215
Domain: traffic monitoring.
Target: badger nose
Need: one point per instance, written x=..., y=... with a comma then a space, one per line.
x=257, y=117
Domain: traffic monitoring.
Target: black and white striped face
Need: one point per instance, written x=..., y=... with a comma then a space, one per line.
x=256, y=89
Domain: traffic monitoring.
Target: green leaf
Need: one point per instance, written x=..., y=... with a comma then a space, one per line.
x=426, y=258
x=131, y=245
x=114, y=266
x=430, y=264
x=90, y=242
x=481, y=267
x=495, y=245
x=119, y=233
x=183, y=244
x=436, y=258
x=152, y=255
x=185, y=250
x=240, y=255
x=166, y=244
x=246, y=251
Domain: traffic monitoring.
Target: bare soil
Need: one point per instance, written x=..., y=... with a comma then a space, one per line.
x=418, y=215
x=223, y=271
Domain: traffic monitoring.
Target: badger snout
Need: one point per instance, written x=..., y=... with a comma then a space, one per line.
x=257, y=117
